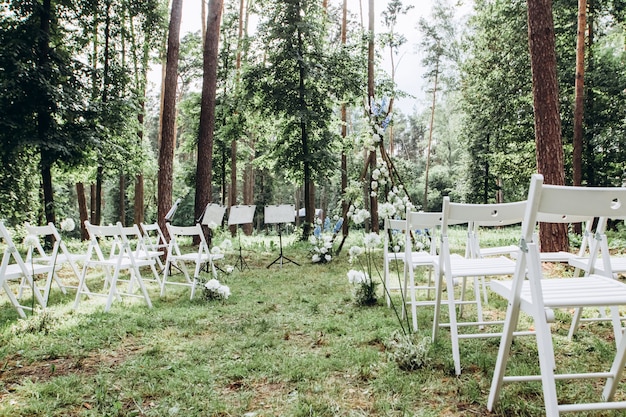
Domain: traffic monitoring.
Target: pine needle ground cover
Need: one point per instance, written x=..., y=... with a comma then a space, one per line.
x=288, y=341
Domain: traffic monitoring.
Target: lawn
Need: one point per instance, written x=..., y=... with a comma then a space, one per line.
x=289, y=341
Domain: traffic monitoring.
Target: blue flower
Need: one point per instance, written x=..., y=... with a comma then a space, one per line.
x=338, y=225
x=317, y=231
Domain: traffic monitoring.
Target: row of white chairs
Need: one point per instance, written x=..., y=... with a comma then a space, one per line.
x=520, y=279
x=120, y=252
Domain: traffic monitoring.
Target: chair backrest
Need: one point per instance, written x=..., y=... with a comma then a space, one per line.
x=479, y=215
x=153, y=236
x=570, y=203
x=176, y=232
x=425, y=223
x=392, y=227
x=47, y=231
x=565, y=219
x=10, y=251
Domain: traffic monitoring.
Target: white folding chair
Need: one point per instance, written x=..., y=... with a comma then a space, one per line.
x=58, y=256
x=455, y=267
x=143, y=251
x=599, y=261
x=427, y=224
x=13, y=268
x=121, y=258
x=539, y=297
x=155, y=240
x=177, y=257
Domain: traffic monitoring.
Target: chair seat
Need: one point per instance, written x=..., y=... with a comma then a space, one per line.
x=618, y=264
x=124, y=264
x=192, y=257
x=554, y=257
x=13, y=271
x=463, y=267
x=500, y=250
x=593, y=290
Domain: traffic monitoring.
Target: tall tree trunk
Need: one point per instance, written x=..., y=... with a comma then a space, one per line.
x=82, y=209
x=92, y=203
x=371, y=161
x=309, y=206
x=44, y=118
x=122, y=200
x=590, y=175
x=207, y=110
x=579, y=98
x=548, y=139
x=168, y=116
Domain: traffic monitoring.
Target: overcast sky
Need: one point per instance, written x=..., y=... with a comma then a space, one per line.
x=408, y=67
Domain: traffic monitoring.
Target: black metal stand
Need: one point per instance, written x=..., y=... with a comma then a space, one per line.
x=281, y=258
x=241, y=262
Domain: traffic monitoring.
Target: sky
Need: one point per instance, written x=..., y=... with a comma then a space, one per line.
x=409, y=71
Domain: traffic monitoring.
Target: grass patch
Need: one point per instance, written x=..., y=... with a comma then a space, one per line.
x=287, y=342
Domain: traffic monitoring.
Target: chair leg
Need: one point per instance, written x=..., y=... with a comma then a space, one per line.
x=13, y=300
x=454, y=330
x=575, y=322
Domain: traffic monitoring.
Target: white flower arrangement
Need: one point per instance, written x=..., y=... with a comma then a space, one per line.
x=322, y=247
x=364, y=286
x=30, y=241
x=67, y=225
x=214, y=290
x=226, y=245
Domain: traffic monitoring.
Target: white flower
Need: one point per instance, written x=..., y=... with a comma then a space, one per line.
x=360, y=216
x=212, y=284
x=355, y=251
x=223, y=291
x=373, y=194
x=315, y=258
x=396, y=248
x=215, y=250
x=374, y=185
x=68, y=225
x=328, y=257
x=419, y=245
x=386, y=210
x=212, y=225
x=375, y=138
x=372, y=240
x=226, y=245
x=376, y=174
x=31, y=241
x=229, y=269
x=312, y=240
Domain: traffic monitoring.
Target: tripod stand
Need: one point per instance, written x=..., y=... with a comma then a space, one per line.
x=241, y=215
x=281, y=258
x=241, y=262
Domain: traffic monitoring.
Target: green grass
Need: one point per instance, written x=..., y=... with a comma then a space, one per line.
x=288, y=342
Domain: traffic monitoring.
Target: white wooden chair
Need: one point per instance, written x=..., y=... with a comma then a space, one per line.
x=120, y=258
x=428, y=224
x=155, y=240
x=13, y=268
x=456, y=267
x=598, y=261
x=177, y=256
x=57, y=256
x=143, y=251
x=539, y=297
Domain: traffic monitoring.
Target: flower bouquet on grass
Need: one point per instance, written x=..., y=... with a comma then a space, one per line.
x=214, y=290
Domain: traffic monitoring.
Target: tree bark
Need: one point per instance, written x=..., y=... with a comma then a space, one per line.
x=207, y=109
x=549, y=154
x=344, y=133
x=168, y=116
x=82, y=209
x=579, y=98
